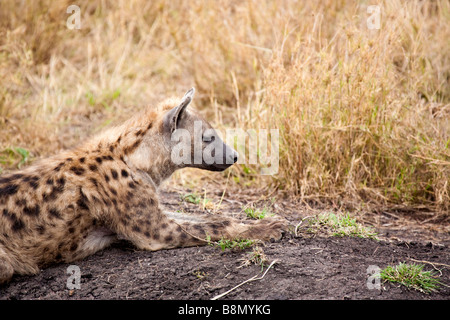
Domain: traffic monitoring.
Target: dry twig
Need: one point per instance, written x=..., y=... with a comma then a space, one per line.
x=254, y=278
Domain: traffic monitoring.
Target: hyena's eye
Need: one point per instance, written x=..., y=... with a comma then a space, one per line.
x=208, y=138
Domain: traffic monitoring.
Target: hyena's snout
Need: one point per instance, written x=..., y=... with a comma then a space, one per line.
x=226, y=159
x=233, y=156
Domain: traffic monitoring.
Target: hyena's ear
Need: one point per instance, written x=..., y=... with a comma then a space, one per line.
x=171, y=118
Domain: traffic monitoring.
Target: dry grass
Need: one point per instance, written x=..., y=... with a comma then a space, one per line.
x=363, y=114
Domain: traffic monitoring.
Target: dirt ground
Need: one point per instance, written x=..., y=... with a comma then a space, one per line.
x=306, y=267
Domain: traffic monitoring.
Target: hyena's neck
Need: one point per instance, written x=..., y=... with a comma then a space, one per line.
x=139, y=146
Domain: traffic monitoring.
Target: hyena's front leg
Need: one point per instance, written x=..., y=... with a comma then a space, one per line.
x=201, y=229
x=166, y=230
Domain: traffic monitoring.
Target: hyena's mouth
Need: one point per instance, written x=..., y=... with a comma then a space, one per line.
x=227, y=162
x=231, y=158
x=219, y=167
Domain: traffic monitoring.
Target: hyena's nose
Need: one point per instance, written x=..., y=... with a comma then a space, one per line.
x=236, y=157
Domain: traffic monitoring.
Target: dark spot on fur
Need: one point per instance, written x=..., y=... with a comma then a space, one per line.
x=73, y=247
x=17, y=225
x=226, y=223
x=32, y=211
x=150, y=125
x=32, y=181
x=77, y=170
x=155, y=236
x=61, y=181
x=124, y=173
x=8, y=179
x=136, y=229
x=69, y=159
x=142, y=204
x=114, y=174
x=58, y=167
x=147, y=234
x=107, y=178
x=199, y=228
x=55, y=213
x=138, y=133
x=92, y=167
x=113, y=191
x=110, y=158
x=7, y=214
x=71, y=230
x=82, y=159
x=99, y=160
x=132, y=185
x=9, y=190
x=49, y=181
x=168, y=238
x=34, y=184
x=131, y=148
x=21, y=202
x=111, y=148
x=129, y=196
x=214, y=225
x=94, y=181
x=164, y=226
x=81, y=202
x=40, y=229
x=59, y=188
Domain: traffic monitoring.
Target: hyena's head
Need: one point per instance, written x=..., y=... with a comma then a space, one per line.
x=192, y=141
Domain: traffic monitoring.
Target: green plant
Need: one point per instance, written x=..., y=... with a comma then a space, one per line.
x=224, y=244
x=411, y=276
x=256, y=256
x=256, y=213
x=203, y=202
x=14, y=156
x=191, y=198
x=340, y=225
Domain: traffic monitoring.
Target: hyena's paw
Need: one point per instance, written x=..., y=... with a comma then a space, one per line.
x=268, y=229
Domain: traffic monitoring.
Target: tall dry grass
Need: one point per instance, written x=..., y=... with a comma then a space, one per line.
x=363, y=114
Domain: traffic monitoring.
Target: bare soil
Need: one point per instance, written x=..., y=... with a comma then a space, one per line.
x=306, y=267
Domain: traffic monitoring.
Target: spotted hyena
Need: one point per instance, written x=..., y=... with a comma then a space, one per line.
x=73, y=204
